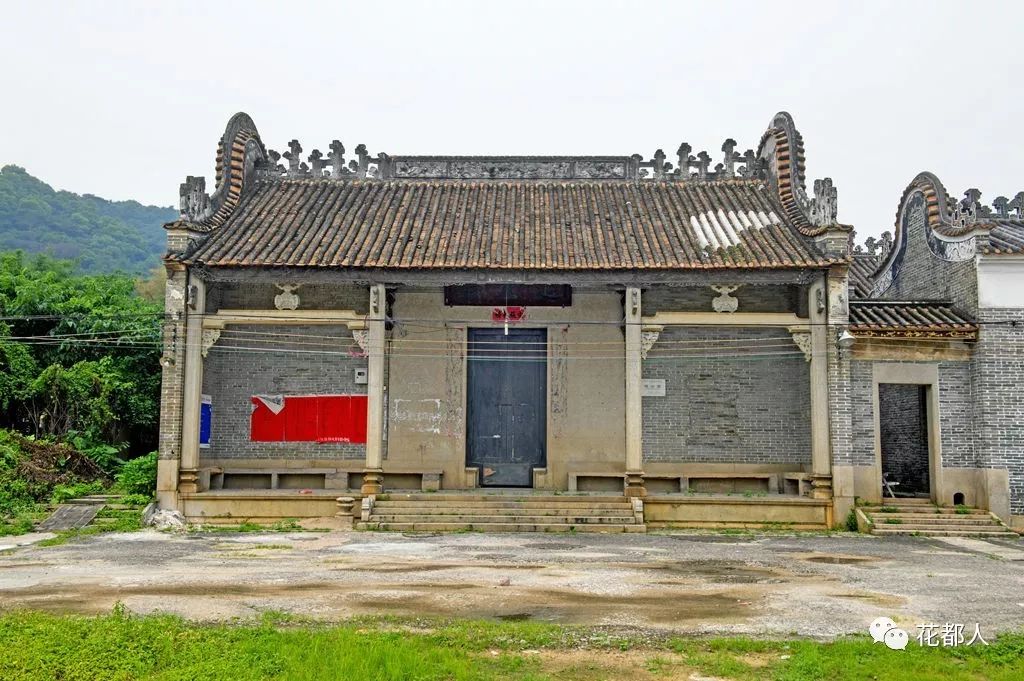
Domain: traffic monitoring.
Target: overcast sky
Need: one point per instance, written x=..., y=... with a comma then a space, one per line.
x=125, y=99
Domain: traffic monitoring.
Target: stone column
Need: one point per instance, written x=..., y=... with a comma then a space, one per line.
x=373, y=474
x=821, y=456
x=195, y=307
x=634, y=404
x=172, y=384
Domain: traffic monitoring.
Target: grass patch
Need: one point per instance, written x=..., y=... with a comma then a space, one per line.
x=121, y=646
x=285, y=525
x=888, y=509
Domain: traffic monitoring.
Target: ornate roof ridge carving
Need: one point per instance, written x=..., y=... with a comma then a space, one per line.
x=782, y=148
x=239, y=151
x=383, y=166
x=242, y=159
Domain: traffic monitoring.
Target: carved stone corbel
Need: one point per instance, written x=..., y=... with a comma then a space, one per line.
x=361, y=337
x=210, y=336
x=648, y=337
x=802, y=338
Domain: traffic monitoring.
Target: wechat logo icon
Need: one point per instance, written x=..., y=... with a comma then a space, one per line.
x=884, y=630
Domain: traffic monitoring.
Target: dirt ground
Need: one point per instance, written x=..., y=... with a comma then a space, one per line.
x=819, y=586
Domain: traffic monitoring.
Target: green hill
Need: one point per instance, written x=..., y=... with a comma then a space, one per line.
x=101, y=235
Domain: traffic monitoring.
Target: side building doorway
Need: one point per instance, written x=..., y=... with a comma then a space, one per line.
x=506, y=402
x=903, y=430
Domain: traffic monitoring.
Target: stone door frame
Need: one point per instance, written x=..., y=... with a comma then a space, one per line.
x=927, y=376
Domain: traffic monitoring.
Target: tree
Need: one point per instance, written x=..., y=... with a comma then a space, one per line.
x=78, y=353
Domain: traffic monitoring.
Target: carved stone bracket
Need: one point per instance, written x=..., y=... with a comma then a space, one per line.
x=361, y=337
x=210, y=336
x=802, y=338
x=725, y=301
x=648, y=337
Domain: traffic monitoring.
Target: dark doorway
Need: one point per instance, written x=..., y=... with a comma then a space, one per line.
x=903, y=420
x=506, y=404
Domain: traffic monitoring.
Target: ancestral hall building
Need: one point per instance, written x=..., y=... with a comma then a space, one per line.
x=699, y=335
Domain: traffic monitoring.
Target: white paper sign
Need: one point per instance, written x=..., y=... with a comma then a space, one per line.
x=652, y=387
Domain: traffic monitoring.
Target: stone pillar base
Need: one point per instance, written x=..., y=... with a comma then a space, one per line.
x=345, y=509
x=188, y=481
x=372, y=482
x=821, y=486
x=635, y=485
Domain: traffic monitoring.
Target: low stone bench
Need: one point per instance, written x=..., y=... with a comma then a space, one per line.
x=801, y=482
x=273, y=478
x=574, y=479
x=771, y=479
x=214, y=478
x=430, y=478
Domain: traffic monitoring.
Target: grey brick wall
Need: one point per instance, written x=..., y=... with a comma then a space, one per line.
x=286, y=360
x=173, y=374
x=956, y=403
x=955, y=409
x=698, y=299
x=862, y=440
x=727, y=410
x=999, y=386
x=260, y=296
x=926, y=276
x=904, y=436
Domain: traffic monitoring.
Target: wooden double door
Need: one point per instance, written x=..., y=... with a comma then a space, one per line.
x=506, y=402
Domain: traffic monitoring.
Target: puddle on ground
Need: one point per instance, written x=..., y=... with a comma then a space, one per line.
x=553, y=546
x=836, y=558
x=729, y=573
x=516, y=617
x=427, y=567
x=715, y=539
x=879, y=599
x=657, y=606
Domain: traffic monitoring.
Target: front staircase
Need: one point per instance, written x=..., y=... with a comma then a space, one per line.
x=922, y=517
x=455, y=512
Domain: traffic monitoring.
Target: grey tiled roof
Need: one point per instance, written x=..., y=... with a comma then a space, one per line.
x=521, y=224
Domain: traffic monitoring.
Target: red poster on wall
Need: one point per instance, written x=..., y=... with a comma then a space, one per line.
x=308, y=418
x=342, y=418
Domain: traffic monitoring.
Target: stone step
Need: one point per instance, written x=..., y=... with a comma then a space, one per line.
x=924, y=518
x=496, y=527
x=933, y=510
x=476, y=519
x=927, y=532
x=434, y=497
x=512, y=509
x=896, y=501
x=951, y=527
x=509, y=503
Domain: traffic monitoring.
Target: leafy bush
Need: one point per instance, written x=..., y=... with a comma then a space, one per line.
x=136, y=499
x=62, y=493
x=33, y=473
x=851, y=521
x=138, y=476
